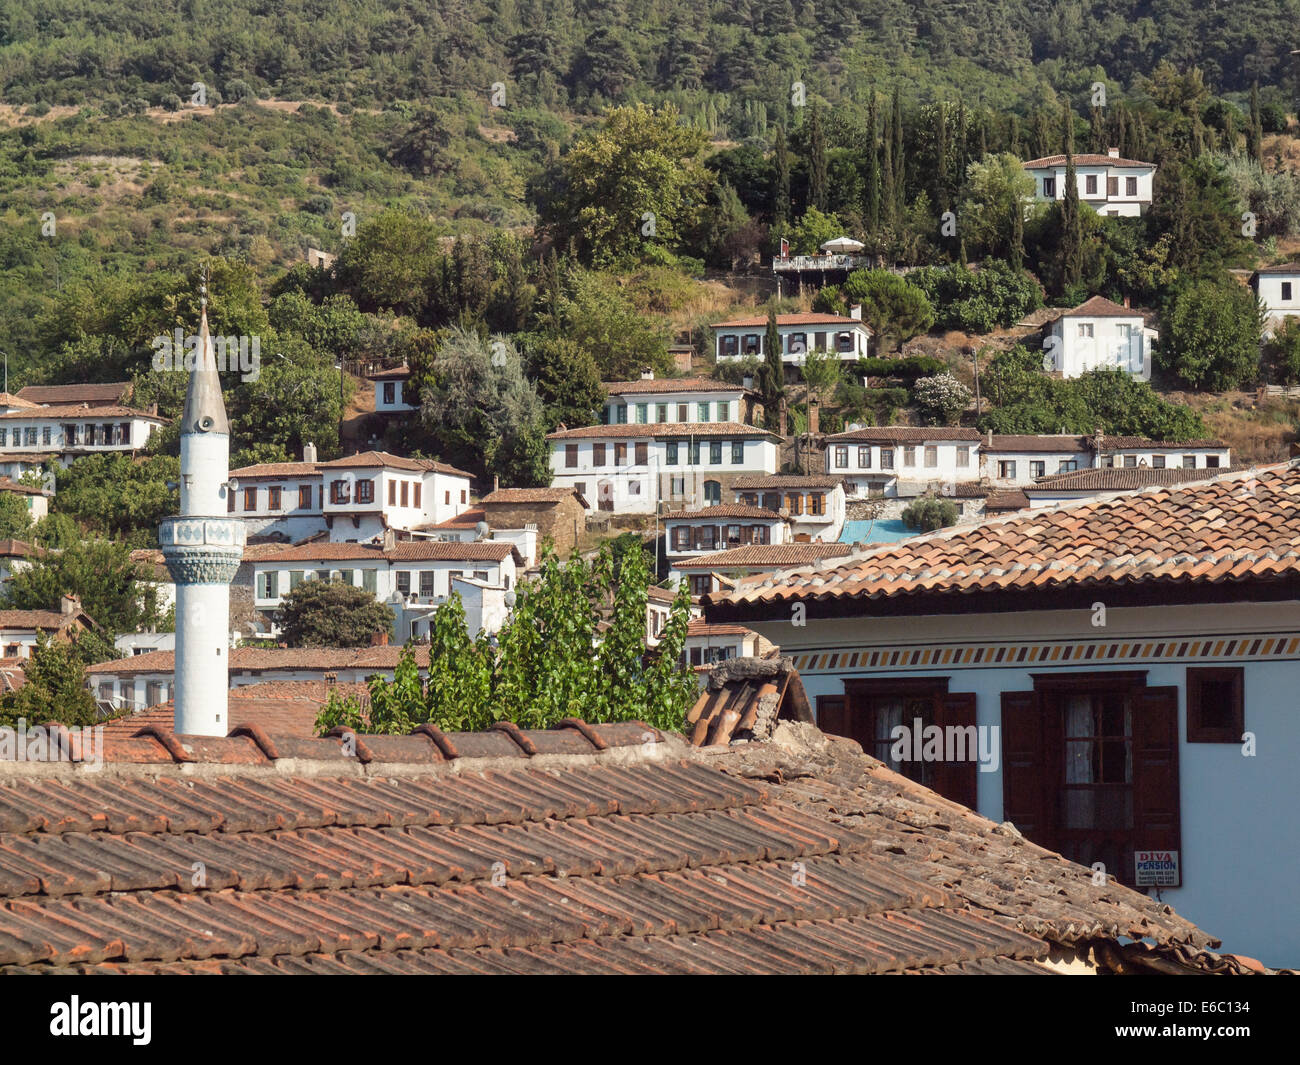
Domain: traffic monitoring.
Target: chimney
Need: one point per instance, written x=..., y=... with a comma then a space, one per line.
x=1097, y=438
x=308, y=452
x=379, y=639
x=856, y=311
x=1113, y=152
x=390, y=540
x=814, y=411
x=990, y=438
x=747, y=381
x=647, y=374
x=69, y=605
x=1126, y=302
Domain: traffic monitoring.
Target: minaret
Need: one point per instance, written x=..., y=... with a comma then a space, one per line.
x=203, y=547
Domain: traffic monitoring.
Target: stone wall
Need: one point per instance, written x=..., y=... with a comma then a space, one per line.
x=562, y=523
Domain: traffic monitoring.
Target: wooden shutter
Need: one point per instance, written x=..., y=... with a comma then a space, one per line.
x=1112, y=186
x=833, y=714
x=1156, y=808
x=642, y=453
x=956, y=780
x=1027, y=783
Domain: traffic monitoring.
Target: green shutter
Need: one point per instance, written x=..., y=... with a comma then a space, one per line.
x=368, y=579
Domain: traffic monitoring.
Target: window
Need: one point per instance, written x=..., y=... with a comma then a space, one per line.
x=752, y=344
x=798, y=343
x=842, y=457
x=794, y=503
x=463, y=494
x=1130, y=461
x=683, y=412
x=230, y=502
x=304, y=497
x=1037, y=469
x=1189, y=462
x=570, y=462
x=340, y=492
x=1157, y=462
x=404, y=581
x=677, y=487
x=45, y=435
x=392, y=485
x=670, y=453
x=598, y=454
x=29, y=436
x=426, y=584
x=693, y=458
x=415, y=495
x=642, y=453
x=369, y=581
x=704, y=412
x=712, y=493
x=816, y=503
x=931, y=456
x=1125, y=330
x=715, y=452
x=724, y=411
x=728, y=343
x=268, y=585
x=963, y=457
x=1286, y=290
x=620, y=454
x=864, y=457
x=844, y=343
x=1107, y=461
x=1065, y=465
x=1049, y=188
x=909, y=456
x=1006, y=469
x=406, y=492
x=1216, y=705
x=390, y=393
x=1130, y=186
x=250, y=498
x=642, y=413
x=1090, y=184
x=1085, y=329
x=870, y=711
x=273, y=497
x=682, y=537
x=4, y=436
x=580, y=487
x=621, y=414
x=1090, y=766
x=365, y=493
x=296, y=578
x=661, y=412
x=1112, y=187
x=1211, y=462
x=701, y=584
x=886, y=458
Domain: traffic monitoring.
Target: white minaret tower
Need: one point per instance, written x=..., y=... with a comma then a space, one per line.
x=203, y=548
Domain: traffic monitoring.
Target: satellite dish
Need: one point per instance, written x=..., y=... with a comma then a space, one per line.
x=482, y=528
x=853, y=427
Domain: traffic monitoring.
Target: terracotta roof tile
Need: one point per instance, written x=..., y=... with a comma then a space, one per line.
x=670, y=384
x=773, y=556
x=893, y=434
x=783, y=480
x=82, y=410
x=1085, y=159
x=721, y=511
x=801, y=318
x=55, y=395
x=659, y=431
x=1154, y=536
x=1121, y=478
x=585, y=849
x=512, y=496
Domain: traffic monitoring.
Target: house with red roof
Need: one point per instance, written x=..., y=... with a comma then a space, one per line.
x=1108, y=184
x=1116, y=678
x=746, y=337
x=1099, y=334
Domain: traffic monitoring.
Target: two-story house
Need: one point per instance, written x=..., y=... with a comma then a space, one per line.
x=812, y=505
x=390, y=390
x=1099, y=334
x=639, y=469
x=656, y=401
x=902, y=461
x=355, y=498
x=69, y=430
x=741, y=338
x=1278, y=290
x=696, y=532
x=1108, y=184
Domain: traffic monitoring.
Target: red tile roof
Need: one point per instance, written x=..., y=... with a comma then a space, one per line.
x=402, y=551
x=1054, y=442
x=802, y=318
x=723, y=510
x=1237, y=527
x=1086, y=159
x=1011, y=500
x=904, y=434
x=1122, y=443
x=18, y=549
x=8, y=399
x=1280, y=268
x=466, y=519
x=55, y=395
x=1100, y=307
x=755, y=481
x=1120, y=478
x=765, y=556
x=365, y=460
x=515, y=496
x=277, y=707
x=395, y=374
x=52, y=620
x=267, y=659
x=82, y=410
x=8, y=485
x=277, y=469
x=670, y=384
x=659, y=431
x=584, y=849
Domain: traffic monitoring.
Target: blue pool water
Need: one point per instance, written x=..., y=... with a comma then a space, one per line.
x=883, y=531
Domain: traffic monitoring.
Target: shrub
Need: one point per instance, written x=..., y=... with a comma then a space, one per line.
x=930, y=513
x=941, y=399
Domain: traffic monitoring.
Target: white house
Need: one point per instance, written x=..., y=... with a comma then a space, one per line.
x=740, y=338
x=811, y=504
x=413, y=576
x=1096, y=483
x=1108, y=184
x=1116, y=678
x=36, y=500
x=390, y=386
x=655, y=401
x=902, y=461
x=356, y=498
x=696, y=532
x=1099, y=334
x=1278, y=290
x=636, y=469
x=69, y=430
x=1135, y=452
x=711, y=572
x=707, y=644
x=1014, y=459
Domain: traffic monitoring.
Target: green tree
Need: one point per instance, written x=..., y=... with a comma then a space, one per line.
x=390, y=261
x=773, y=362
x=1210, y=336
x=55, y=688
x=1071, y=253
x=637, y=181
x=596, y=313
x=114, y=590
x=813, y=230
x=894, y=309
x=998, y=190
x=1282, y=353
x=930, y=513
x=817, y=190
x=781, y=180
x=56, y=531
x=332, y=614
x=567, y=380
x=15, y=518
x=941, y=399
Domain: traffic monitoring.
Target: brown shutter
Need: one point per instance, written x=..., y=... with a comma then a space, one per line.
x=1027, y=784
x=956, y=780
x=1112, y=186
x=833, y=714
x=1156, y=807
x=642, y=454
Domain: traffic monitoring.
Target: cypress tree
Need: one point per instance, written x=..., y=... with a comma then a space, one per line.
x=1229, y=132
x=773, y=367
x=963, y=148
x=871, y=172
x=781, y=194
x=1016, y=254
x=1017, y=148
x=888, y=196
x=1071, y=221
x=900, y=170
x=816, y=161
x=1097, y=134
x=939, y=166
x=1255, y=132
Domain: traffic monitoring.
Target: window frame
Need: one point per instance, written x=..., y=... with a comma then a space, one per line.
x=1197, y=730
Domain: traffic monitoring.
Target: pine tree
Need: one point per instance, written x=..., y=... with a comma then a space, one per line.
x=817, y=191
x=781, y=194
x=1255, y=132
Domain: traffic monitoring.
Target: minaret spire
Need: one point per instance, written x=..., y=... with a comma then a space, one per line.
x=203, y=547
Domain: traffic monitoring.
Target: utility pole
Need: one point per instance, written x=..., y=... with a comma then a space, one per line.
x=975, y=362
